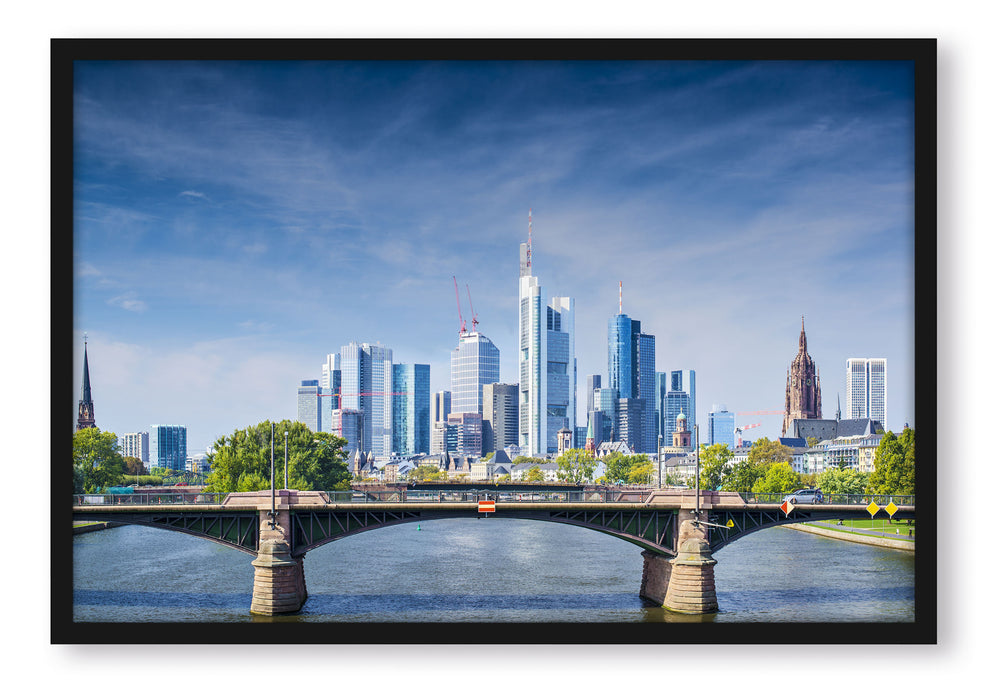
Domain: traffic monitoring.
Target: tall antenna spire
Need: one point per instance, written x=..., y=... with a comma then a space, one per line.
x=529, y=242
x=620, y=296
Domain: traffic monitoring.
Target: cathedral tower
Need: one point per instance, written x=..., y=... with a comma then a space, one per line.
x=803, y=395
x=87, y=418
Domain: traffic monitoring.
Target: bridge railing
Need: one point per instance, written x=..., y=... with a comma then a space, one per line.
x=500, y=496
x=146, y=499
x=838, y=499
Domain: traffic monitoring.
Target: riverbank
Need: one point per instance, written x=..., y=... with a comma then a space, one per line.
x=850, y=534
x=80, y=528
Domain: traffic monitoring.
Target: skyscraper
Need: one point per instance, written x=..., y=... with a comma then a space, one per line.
x=439, y=410
x=308, y=404
x=410, y=409
x=803, y=393
x=474, y=363
x=86, y=415
x=366, y=386
x=547, y=364
x=632, y=375
x=680, y=398
x=866, y=388
x=136, y=445
x=594, y=382
x=167, y=446
x=499, y=416
x=721, y=426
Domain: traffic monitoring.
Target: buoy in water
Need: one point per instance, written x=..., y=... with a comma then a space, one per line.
x=418, y=527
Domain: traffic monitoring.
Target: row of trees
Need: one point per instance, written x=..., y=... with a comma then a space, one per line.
x=767, y=469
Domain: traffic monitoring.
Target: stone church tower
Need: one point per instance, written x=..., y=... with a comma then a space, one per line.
x=87, y=417
x=803, y=395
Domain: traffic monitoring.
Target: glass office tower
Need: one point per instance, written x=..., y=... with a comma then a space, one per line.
x=410, y=409
x=721, y=426
x=308, y=407
x=167, y=446
x=473, y=364
x=679, y=399
x=366, y=386
x=547, y=363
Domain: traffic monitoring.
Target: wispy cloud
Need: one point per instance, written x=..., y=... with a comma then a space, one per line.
x=128, y=302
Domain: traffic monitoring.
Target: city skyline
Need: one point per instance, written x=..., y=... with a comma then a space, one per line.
x=236, y=222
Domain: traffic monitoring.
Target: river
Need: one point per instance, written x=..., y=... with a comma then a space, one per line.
x=471, y=570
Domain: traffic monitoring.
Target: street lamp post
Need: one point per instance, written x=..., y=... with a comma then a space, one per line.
x=286, y=459
x=697, y=475
x=271, y=522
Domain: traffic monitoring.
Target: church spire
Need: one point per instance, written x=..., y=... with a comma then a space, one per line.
x=86, y=414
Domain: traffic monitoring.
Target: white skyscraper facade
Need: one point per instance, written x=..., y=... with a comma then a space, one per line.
x=547, y=365
x=866, y=388
x=473, y=364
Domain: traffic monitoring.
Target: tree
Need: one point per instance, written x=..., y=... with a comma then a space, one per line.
x=619, y=468
x=575, y=465
x=893, y=464
x=642, y=472
x=743, y=476
x=96, y=460
x=244, y=460
x=765, y=451
x=779, y=478
x=134, y=466
x=534, y=473
x=714, y=460
x=425, y=472
x=843, y=481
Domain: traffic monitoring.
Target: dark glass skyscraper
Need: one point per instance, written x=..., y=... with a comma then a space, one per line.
x=410, y=409
x=632, y=375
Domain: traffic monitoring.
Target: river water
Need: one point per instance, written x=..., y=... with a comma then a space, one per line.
x=496, y=570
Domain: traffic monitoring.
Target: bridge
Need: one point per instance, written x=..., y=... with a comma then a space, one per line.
x=677, y=529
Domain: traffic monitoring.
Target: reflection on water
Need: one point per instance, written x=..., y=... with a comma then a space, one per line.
x=477, y=570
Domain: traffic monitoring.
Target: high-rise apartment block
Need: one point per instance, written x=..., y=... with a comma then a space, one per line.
x=680, y=398
x=721, y=426
x=473, y=364
x=547, y=364
x=410, y=409
x=866, y=388
x=135, y=445
x=167, y=446
x=499, y=416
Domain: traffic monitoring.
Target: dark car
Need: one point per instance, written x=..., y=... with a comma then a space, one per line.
x=805, y=496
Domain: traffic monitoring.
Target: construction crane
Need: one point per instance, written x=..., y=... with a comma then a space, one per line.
x=458, y=297
x=474, y=317
x=739, y=432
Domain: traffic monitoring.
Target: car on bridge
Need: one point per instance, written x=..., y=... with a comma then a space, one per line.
x=805, y=496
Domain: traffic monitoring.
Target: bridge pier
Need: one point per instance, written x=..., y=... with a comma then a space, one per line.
x=685, y=583
x=279, y=579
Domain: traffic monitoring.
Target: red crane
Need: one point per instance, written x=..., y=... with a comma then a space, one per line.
x=474, y=317
x=739, y=432
x=458, y=297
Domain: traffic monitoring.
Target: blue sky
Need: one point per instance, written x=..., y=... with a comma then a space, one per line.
x=236, y=222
